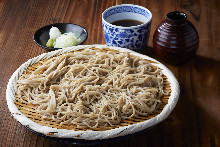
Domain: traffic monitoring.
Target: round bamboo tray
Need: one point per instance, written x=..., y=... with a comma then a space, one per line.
x=27, y=115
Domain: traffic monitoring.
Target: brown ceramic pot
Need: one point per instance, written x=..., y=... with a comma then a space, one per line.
x=176, y=39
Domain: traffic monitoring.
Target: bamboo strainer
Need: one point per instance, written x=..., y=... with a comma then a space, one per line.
x=27, y=115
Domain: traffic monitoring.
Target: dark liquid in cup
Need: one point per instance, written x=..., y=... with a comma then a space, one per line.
x=127, y=23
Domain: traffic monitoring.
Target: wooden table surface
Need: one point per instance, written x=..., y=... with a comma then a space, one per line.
x=195, y=121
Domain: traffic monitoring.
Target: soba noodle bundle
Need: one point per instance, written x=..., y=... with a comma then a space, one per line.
x=91, y=88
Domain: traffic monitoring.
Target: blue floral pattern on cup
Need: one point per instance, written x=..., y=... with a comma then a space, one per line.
x=134, y=38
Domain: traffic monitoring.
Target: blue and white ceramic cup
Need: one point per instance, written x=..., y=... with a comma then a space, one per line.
x=134, y=37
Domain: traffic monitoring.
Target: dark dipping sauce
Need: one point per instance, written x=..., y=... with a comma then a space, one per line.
x=127, y=23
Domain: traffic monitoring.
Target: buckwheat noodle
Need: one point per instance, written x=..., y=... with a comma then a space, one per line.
x=91, y=88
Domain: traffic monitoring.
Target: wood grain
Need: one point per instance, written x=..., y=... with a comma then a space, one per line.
x=195, y=120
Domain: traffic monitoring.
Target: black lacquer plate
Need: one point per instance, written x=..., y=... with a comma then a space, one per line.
x=41, y=36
